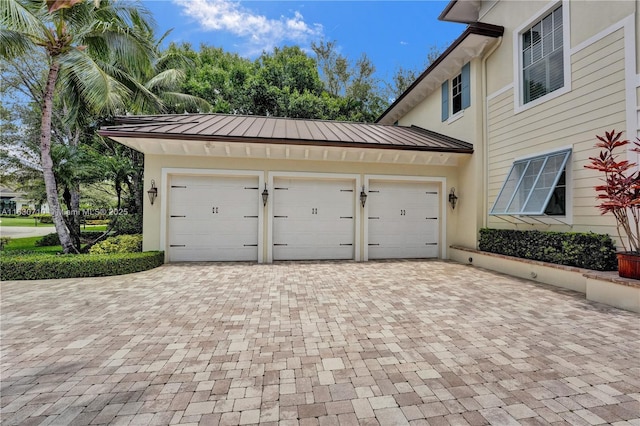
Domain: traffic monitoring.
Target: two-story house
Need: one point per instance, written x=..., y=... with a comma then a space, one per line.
x=531, y=105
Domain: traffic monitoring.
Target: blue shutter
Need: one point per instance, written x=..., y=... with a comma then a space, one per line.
x=445, y=100
x=466, y=86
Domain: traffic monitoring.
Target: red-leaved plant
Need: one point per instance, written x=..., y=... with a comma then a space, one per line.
x=620, y=193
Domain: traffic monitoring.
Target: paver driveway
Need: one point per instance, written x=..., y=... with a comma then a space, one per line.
x=424, y=342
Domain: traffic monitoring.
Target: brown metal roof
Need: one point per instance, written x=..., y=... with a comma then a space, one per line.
x=258, y=129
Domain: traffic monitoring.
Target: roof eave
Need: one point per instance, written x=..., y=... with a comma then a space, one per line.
x=476, y=28
x=462, y=11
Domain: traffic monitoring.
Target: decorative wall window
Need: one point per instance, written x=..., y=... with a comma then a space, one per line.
x=542, y=57
x=535, y=186
x=459, y=97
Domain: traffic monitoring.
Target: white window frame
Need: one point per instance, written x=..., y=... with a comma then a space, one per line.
x=568, y=216
x=454, y=116
x=519, y=105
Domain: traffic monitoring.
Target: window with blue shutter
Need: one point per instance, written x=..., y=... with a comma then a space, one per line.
x=459, y=97
x=466, y=85
x=445, y=101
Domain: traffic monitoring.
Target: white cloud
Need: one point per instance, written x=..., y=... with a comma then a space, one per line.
x=258, y=31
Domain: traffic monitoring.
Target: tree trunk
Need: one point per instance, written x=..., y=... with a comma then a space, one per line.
x=47, y=162
x=76, y=217
x=71, y=198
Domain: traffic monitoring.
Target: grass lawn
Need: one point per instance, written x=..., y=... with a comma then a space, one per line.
x=22, y=221
x=29, y=243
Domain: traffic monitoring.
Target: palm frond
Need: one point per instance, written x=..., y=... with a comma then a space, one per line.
x=161, y=39
x=186, y=102
x=126, y=47
x=100, y=91
x=29, y=19
x=14, y=44
x=174, y=59
x=143, y=100
x=168, y=79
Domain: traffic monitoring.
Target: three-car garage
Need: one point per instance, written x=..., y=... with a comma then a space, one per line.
x=223, y=216
x=267, y=189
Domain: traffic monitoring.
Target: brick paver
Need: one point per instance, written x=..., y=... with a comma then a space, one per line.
x=323, y=343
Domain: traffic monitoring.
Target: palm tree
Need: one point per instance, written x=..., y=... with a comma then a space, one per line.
x=84, y=43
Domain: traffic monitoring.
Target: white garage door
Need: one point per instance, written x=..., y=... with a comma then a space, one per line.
x=313, y=219
x=403, y=220
x=213, y=218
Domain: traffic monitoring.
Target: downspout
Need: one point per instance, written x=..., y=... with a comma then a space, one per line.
x=485, y=135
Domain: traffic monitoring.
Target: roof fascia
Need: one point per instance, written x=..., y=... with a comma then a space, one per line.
x=462, y=11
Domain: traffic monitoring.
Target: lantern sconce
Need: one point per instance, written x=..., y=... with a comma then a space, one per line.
x=363, y=197
x=265, y=195
x=453, y=198
x=153, y=192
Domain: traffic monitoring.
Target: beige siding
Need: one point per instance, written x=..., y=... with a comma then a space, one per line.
x=595, y=103
x=428, y=113
x=591, y=17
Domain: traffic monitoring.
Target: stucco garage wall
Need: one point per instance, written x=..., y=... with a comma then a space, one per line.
x=154, y=165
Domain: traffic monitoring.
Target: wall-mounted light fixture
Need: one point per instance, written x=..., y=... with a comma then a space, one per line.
x=265, y=195
x=453, y=198
x=153, y=192
x=363, y=197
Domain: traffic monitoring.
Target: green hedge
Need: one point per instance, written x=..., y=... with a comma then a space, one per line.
x=43, y=217
x=46, y=266
x=583, y=250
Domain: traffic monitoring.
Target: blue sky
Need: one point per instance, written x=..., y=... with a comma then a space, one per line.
x=391, y=33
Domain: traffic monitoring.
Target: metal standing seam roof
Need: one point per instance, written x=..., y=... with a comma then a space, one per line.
x=259, y=129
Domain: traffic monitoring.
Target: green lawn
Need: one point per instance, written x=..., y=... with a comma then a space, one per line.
x=29, y=243
x=22, y=221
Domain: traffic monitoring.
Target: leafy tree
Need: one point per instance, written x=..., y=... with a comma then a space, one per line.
x=355, y=82
x=404, y=77
x=82, y=40
x=334, y=67
x=219, y=77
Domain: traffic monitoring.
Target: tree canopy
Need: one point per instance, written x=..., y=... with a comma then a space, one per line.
x=74, y=64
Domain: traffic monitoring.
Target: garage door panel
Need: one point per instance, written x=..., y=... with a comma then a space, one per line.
x=213, y=218
x=313, y=219
x=403, y=220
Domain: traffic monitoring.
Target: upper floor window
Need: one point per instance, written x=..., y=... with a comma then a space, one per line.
x=542, y=57
x=456, y=93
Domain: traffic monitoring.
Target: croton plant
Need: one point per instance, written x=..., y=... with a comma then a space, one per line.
x=619, y=195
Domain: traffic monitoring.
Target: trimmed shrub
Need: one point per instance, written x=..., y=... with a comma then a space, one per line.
x=129, y=224
x=583, y=250
x=118, y=244
x=43, y=217
x=42, y=267
x=48, y=240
